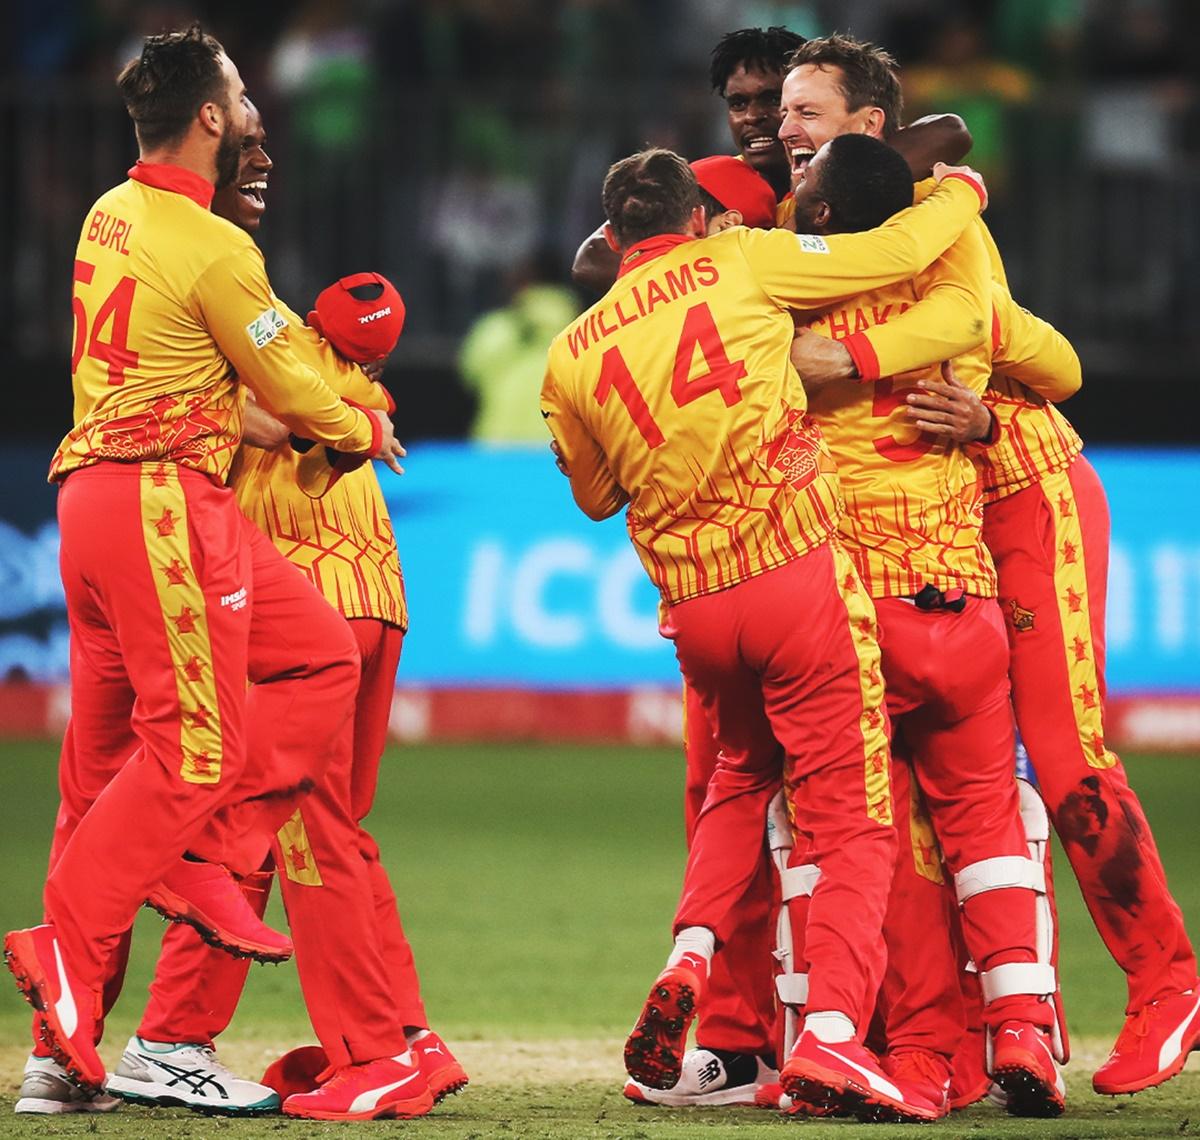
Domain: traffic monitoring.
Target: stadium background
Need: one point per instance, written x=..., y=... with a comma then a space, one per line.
x=458, y=147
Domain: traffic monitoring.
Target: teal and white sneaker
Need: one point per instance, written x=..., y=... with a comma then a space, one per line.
x=47, y=1090
x=188, y=1076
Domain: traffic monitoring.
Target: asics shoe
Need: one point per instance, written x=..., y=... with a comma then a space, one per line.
x=392, y=1087
x=835, y=1077
x=710, y=1077
x=1153, y=1045
x=69, y=1010
x=654, y=1051
x=1023, y=1066
x=47, y=1091
x=206, y=897
x=188, y=1076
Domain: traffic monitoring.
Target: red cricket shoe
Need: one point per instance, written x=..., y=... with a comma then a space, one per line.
x=654, y=1051
x=1023, y=1066
x=444, y=1075
x=923, y=1072
x=391, y=1088
x=297, y=1071
x=1153, y=1045
x=69, y=1010
x=844, y=1076
x=206, y=897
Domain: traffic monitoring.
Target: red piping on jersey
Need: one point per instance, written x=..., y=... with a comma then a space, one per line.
x=165, y=176
x=641, y=252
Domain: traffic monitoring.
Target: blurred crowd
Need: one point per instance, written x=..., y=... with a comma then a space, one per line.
x=459, y=145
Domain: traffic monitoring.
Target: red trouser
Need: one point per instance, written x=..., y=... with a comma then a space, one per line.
x=739, y=1003
x=789, y=659
x=164, y=576
x=948, y=697
x=355, y=965
x=1050, y=544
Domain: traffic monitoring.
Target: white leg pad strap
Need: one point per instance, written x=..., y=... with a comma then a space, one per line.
x=779, y=826
x=997, y=874
x=1034, y=817
x=792, y=988
x=799, y=882
x=1034, y=979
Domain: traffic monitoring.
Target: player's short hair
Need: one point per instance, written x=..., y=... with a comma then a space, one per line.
x=864, y=182
x=167, y=84
x=712, y=207
x=868, y=76
x=762, y=49
x=648, y=193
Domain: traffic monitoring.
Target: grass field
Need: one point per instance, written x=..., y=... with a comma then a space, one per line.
x=537, y=886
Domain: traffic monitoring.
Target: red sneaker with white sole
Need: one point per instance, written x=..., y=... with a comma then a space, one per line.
x=207, y=898
x=1023, y=1066
x=69, y=1010
x=654, y=1051
x=845, y=1076
x=444, y=1075
x=390, y=1088
x=921, y=1071
x=1153, y=1045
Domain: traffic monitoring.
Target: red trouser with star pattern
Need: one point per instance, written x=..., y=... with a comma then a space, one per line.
x=340, y=904
x=1050, y=543
x=174, y=599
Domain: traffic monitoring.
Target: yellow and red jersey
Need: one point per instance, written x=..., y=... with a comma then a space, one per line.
x=914, y=507
x=343, y=540
x=690, y=349
x=172, y=306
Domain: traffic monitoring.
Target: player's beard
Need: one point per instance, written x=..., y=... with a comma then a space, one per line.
x=229, y=156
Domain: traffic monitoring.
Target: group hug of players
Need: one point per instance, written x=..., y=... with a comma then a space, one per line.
x=880, y=552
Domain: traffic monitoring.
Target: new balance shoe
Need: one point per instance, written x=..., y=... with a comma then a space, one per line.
x=710, y=1077
x=207, y=898
x=654, y=1051
x=393, y=1087
x=923, y=1072
x=835, y=1077
x=46, y=1090
x=444, y=1075
x=69, y=1010
x=1023, y=1066
x=184, y=1075
x=1153, y=1045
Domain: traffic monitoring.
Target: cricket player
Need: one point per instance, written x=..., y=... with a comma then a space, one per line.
x=674, y=395
x=161, y=571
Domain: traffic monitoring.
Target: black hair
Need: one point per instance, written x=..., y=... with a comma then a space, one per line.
x=767, y=49
x=864, y=182
x=176, y=74
x=712, y=206
x=649, y=193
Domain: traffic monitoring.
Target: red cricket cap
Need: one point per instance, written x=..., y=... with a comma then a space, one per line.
x=737, y=187
x=360, y=315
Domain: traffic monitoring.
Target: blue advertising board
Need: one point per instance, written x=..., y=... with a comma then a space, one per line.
x=509, y=584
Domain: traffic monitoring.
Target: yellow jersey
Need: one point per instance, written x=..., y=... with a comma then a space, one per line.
x=675, y=392
x=172, y=306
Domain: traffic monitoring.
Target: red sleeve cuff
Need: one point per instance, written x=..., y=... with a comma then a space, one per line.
x=974, y=183
x=996, y=330
x=862, y=352
x=391, y=403
x=376, y=426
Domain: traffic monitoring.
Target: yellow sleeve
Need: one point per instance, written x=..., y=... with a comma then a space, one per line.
x=234, y=301
x=804, y=271
x=596, y=491
x=1031, y=350
x=953, y=315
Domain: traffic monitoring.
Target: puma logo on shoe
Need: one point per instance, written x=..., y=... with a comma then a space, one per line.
x=372, y=1097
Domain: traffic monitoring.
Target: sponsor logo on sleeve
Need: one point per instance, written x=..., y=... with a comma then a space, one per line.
x=265, y=327
x=812, y=243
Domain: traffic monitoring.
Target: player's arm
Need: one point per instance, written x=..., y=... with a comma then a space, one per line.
x=596, y=263
x=579, y=456
x=933, y=139
x=233, y=299
x=260, y=428
x=801, y=271
x=1032, y=350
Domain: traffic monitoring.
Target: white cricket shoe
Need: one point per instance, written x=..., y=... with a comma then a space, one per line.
x=709, y=1078
x=188, y=1076
x=47, y=1090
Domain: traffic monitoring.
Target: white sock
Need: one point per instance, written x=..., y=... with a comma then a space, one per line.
x=697, y=940
x=405, y=1058
x=829, y=1026
x=416, y=1036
